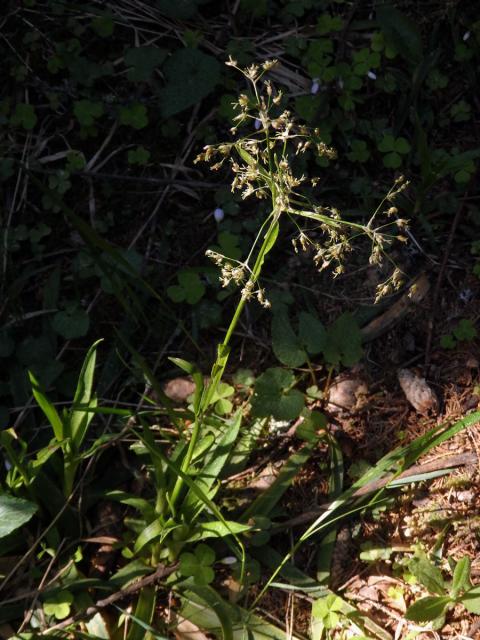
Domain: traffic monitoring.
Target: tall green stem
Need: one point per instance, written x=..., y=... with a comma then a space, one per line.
x=221, y=360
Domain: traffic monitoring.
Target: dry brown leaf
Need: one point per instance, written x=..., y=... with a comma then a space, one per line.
x=186, y=630
x=419, y=394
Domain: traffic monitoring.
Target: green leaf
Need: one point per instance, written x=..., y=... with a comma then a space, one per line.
x=343, y=342
x=461, y=576
x=266, y=501
x=214, y=614
x=58, y=605
x=79, y=418
x=327, y=23
x=427, y=573
x=387, y=143
x=392, y=160
x=47, y=407
x=220, y=529
x=14, y=513
x=24, y=116
x=198, y=564
x=448, y=342
x=190, y=288
x=359, y=152
x=428, y=608
x=471, y=600
x=103, y=26
x=273, y=396
x=286, y=346
x=402, y=146
x=465, y=330
x=143, y=615
x=71, y=323
x=312, y=333
x=87, y=112
x=191, y=75
x=327, y=610
x=134, y=116
x=313, y=422
x=139, y=156
x=143, y=62
x=401, y=32
x=244, y=377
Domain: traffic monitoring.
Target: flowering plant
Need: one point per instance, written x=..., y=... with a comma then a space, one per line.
x=268, y=138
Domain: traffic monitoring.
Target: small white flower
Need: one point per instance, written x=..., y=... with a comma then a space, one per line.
x=218, y=214
x=466, y=36
x=465, y=295
x=228, y=560
x=372, y=75
x=258, y=123
x=315, y=86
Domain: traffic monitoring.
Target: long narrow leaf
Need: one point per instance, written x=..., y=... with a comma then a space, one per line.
x=211, y=471
x=267, y=500
x=143, y=613
x=47, y=407
x=79, y=417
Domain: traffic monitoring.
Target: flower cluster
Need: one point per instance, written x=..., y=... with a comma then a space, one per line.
x=262, y=161
x=233, y=271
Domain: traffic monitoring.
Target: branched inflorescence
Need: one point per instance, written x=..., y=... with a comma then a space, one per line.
x=261, y=161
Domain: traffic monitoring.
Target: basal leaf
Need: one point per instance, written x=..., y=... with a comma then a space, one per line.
x=14, y=513
x=427, y=609
x=427, y=573
x=461, y=576
x=471, y=600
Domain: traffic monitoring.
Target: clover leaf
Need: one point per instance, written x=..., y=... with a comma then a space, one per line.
x=465, y=330
x=24, y=116
x=58, y=605
x=327, y=23
x=198, y=565
x=359, y=152
x=139, y=155
x=274, y=396
x=220, y=398
x=394, y=148
x=87, y=112
x=327, y=610
x=190, y=288
x=134, y=116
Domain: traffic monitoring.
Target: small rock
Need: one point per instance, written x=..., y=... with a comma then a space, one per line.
x=345, y=394
x=179, y=389
x=417, y=391
x=472, y=363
